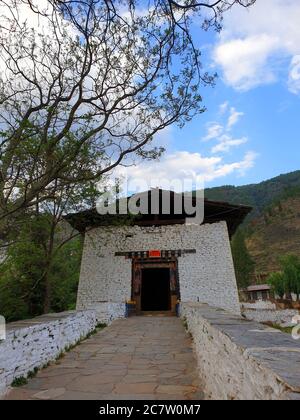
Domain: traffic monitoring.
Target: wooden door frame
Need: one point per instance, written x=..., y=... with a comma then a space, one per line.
x=140, y=264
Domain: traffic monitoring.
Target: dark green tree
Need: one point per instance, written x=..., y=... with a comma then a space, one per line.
x=287, y=281
x=290, y=265
x=41, y=271
x=277, y=282
x=244, y=265
x=26, y=275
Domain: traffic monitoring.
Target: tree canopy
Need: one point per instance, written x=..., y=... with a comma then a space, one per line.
x=244, y=265
x=98, y=74
x=287, y=281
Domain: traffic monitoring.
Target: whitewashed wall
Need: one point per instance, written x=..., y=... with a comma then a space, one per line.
x=107, y=312
x=33, y=343
x=207, y=276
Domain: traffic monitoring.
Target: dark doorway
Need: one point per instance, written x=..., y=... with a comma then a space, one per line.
x=156, y=294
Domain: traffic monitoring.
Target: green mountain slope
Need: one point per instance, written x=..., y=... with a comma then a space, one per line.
x=273, y=228
x=259, y=196
x=275, y=234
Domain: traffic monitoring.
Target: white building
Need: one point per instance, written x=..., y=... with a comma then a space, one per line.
x=154, y=261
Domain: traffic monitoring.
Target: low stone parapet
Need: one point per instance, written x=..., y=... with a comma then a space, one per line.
x=33, y=343
x=260, y=304
x=280, y=317
x=240, y=359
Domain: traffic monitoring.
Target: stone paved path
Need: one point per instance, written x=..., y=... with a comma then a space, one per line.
x=135, y=358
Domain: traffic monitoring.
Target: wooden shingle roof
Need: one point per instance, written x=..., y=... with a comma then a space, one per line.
x=214, y=211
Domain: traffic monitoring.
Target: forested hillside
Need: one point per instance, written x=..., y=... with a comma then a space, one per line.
x=259, y=196
x=276, y=233
x=272, y=230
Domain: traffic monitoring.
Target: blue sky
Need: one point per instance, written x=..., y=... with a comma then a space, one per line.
x=270, y=122
x=253, y=111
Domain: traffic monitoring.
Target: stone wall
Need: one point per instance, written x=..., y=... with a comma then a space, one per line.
x=206, y=276
x=33, y=343
x=260, y=304
x=279, y=317
x=240, y=359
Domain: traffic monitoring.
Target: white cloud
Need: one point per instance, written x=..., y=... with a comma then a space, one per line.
x=214, y=130
x=254, y=42
x=294, y=76
x=223, y=107
x=244, y=61
x=227, y=142
x=240, y=167
x=233, y=117
x=184, y=165
x=247, y=163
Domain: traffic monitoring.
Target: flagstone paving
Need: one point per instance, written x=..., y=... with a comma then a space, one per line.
x=134, y=358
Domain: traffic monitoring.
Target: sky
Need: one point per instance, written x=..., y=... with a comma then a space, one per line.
x=251, y=129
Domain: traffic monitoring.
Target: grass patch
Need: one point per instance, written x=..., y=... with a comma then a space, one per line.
x=19, y=382
x=46, y=365
x=22, y=380
x=100, y=326
x=60, y=356
x=32, y=373
x=286, y=330
x=185, y=323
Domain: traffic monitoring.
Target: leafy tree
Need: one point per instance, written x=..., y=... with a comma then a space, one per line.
x=45, y=252
x=277, y=281
x=290, y=265
x=287, y=281
x=24, y=288
x=96, y=74
x=244, y=265
x=64, y=276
